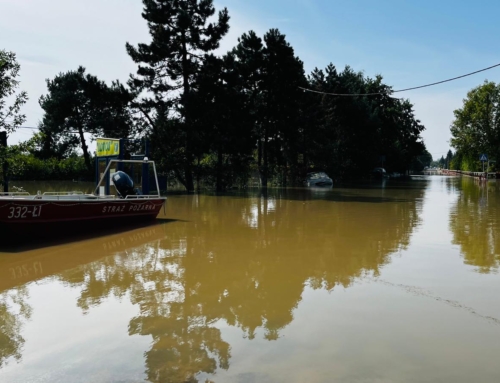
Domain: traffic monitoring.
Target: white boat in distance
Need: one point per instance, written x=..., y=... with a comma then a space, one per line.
x=318, y=179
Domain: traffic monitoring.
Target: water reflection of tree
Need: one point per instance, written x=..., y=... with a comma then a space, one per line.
x=245, y=261
x=475, y=224
x=184, y=342
x=13, y=312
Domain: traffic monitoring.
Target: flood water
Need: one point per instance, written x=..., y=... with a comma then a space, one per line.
x=393, y=282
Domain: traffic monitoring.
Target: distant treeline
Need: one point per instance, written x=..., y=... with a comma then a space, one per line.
x=220, y=121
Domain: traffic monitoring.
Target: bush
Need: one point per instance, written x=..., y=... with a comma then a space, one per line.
x=28, y=167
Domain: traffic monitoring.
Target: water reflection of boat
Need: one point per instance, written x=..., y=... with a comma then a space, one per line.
x=18, y=269
x=43, y=214
x=318, y=179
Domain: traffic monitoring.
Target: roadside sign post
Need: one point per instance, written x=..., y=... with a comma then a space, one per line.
x=114, y=149
x=483, y=158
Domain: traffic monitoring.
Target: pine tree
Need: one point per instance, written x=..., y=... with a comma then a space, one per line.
x=223, y=111
x=283, y=75
x=168, y=66
x=272, y=75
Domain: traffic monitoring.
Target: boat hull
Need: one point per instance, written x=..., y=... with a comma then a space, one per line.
x=44, y=217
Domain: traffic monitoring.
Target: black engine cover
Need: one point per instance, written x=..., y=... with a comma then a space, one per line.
x=123, y=183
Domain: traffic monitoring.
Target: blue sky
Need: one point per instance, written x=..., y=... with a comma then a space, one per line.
x=408, y=42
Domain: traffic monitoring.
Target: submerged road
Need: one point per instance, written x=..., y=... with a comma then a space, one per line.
x=391, y=281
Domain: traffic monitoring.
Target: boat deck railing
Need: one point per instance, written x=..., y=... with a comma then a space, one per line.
x=155, y=196
x=144, y=161
x=78, y=195
x=70, y=196
x=73, y=196
x=81, y=196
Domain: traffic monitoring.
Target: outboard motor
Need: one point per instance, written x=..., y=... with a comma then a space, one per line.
x=123, y=184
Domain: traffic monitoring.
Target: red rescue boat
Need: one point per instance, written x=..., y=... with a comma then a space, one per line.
x=22, y=213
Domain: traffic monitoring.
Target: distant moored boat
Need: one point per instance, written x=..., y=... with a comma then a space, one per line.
x=318, y=179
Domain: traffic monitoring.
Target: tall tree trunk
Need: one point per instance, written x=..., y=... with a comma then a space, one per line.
x=86, y=155
x=259, y=153
x=219, y=186
x=188, y=169
x=259, y=158
x=188, y=174
x=264, y=172
x=198, y=183
x=285, y=174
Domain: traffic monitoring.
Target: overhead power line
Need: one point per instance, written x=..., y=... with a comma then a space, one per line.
x=401, y=90
x=341, y=94
x=72, y=132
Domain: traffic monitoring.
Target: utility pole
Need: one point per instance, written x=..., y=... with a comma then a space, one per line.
x=3, y=143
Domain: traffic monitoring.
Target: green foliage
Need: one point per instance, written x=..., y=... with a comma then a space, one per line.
x=449, y=156
x=456, y=161
x=422, y=161
x=10, y=102
x=270, y=78
x=27, y=167
x=467, y=162
x=440, y=163
x=224, y=122
x=79, y=103
x=476, y=128
x=351, y=135
x=10, y=116
x=24, y=165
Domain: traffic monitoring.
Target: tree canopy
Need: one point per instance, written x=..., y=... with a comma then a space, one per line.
x=476, y=127
x=10, y=105
x=79, y=103
x=10, y=101
x=348, y=135
x=182, y=34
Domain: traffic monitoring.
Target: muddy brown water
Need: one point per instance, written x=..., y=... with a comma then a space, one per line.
x=381, y=282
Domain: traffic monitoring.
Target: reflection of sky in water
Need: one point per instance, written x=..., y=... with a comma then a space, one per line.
x=257, y=208
x=252, y=217
x=271, y=205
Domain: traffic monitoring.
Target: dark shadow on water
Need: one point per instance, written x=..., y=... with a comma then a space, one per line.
x=379, y=191
x=69, y=233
